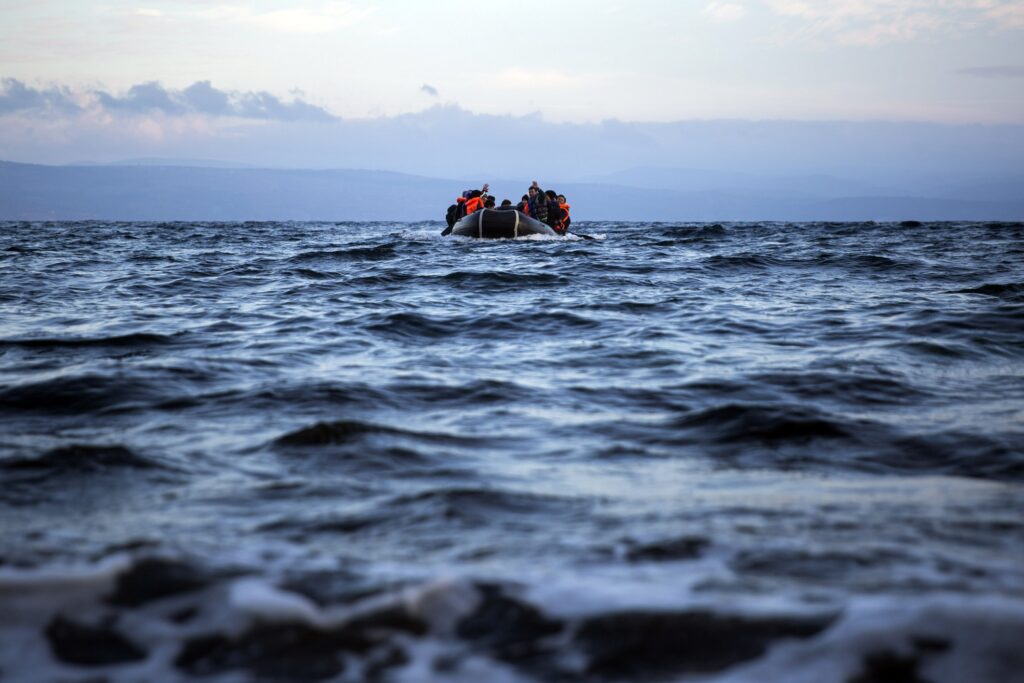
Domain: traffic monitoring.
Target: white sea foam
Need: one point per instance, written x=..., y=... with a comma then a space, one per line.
x=258, y=599
x=954, y=638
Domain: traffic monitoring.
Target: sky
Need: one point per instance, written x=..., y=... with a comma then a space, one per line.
x=178, y=74
x=570, y=60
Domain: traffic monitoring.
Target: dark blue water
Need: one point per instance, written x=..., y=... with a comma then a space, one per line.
x=297, y=451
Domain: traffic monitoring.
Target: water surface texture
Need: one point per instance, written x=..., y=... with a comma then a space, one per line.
x=348, y=452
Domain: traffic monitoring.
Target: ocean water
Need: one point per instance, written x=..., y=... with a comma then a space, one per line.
x=363, y=452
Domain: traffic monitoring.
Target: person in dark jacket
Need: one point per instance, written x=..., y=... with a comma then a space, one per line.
x=554, y=211
x=538, y=203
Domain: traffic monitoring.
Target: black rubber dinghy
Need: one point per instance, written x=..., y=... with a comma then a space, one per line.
x=494, y=224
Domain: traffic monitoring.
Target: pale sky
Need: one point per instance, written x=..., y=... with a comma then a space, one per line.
x=950, y=61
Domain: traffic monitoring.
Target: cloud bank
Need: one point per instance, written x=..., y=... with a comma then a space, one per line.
x=912, y=158
x=319, y=18
x=994, y=71
x=16, y=96
x=200, y=98
x=874, y=22
x=725, y=11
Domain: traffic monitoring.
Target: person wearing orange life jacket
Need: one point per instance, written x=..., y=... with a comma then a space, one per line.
x=524, y=205
x=566, y=221
x=476, y=200
x=555, y=215
x=462, y=207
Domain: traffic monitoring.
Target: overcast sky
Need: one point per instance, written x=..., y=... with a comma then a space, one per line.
x=571, y=60
x=556, y=88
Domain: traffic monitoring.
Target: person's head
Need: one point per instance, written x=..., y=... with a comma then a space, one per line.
x=525, y=198
x=475, y=193
x=532, y=192
x=551, y=194
x=506, y=202
x=489, y=203
x=561, y=199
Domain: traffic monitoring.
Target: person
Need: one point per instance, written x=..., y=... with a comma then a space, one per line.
x=524, y=205
x=488, y=202
x=554, y=211
x=476, y=200
x=506, y=205
x=537, y=203
x=456, y=211
x=460, y=209
x=564, y=205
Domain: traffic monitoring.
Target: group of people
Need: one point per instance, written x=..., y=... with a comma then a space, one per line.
x=546, y=206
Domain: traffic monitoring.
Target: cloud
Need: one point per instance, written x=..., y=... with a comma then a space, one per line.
x=263, y=105
x=16, y=96
x=1008, y=15
x=522, y=77
x=203, y=97
x=324, y=17
x=429, y=89
x=993, y=71
x=873, y=22
x=200, y=98
x=723, y=12
x=143, y=98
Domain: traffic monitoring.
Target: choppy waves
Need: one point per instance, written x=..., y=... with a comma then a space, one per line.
x=363, y=452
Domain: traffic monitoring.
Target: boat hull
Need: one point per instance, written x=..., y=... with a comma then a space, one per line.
x=494, y=224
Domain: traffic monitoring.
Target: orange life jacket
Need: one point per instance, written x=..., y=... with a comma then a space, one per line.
x=560, y=225
x=473, y=204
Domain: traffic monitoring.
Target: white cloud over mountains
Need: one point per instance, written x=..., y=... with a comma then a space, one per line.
x=200, y=98
x=427, y=143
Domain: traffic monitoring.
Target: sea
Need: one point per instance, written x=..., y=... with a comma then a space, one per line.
x=728, y=453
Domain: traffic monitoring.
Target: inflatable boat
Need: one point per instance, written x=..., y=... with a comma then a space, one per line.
x=494, y=224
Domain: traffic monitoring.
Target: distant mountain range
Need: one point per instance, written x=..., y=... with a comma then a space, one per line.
x=161, y=161
x=196, y=190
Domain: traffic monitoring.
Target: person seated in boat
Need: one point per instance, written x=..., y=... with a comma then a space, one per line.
x=554, y=211
x=564, y=205
x=461, y=206
x=475, y=201
x=488, y=202
x=524, y=205
x=537, y=203
x=456, y=210
x=506, y=205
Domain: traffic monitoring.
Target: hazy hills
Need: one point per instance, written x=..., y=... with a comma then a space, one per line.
x=160, y=190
